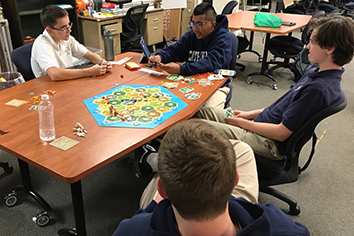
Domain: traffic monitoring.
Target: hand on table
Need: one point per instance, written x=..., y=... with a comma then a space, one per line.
x=98, y=70
x=108, y=65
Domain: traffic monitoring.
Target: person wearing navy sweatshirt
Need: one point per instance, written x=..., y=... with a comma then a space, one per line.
x=197, y=175
x=204, y=48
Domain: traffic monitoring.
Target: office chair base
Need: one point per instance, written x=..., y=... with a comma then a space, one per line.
x=294, y=208
x=251, y=81
x=67, y=232
x=40, y=219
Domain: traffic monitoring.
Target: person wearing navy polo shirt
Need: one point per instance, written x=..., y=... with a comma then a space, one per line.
x=197, y=175
x=266, y=130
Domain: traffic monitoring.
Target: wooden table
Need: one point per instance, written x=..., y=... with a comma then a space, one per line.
x=20, y=135
x=244, y=20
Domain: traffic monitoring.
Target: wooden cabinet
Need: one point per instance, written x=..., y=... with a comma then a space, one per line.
x=186, y=15
x=92, y=32
x=24, y=20
x=153, y=28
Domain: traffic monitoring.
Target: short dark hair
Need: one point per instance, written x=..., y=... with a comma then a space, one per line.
x=335, y=31
x=50, y=14
x=205, y=9
x=197, y=167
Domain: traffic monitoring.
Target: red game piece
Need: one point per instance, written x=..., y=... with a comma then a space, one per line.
x=122, y=76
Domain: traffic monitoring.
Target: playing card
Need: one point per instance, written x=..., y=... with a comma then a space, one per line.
x=15, y=102
x=229, y=113
x=174, y=77
x=186, y=89
x=193, y=96
x=64, y=143
x=34, y=107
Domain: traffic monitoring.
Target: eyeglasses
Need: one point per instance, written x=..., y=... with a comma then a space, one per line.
x=198, y=25
x=65, y=28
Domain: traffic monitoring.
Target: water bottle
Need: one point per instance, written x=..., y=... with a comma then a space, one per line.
x=108, y=44
x=46, y=119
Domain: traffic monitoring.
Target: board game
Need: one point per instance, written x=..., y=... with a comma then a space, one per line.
x=134, y=106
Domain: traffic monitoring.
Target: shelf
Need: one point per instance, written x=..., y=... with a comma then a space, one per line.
x=38, y=11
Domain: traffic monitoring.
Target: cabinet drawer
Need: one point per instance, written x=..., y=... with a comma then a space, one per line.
x=115, y=28
x=154, y=18
x=153, y=33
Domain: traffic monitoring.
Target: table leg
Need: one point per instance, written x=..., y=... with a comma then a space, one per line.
x=11, y=199
x=264, y=65
x=79, y=214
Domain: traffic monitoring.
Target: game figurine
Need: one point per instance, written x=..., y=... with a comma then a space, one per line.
x=79, y=130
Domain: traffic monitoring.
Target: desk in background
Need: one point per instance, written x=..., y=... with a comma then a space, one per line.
x=92, y=29
x=101, y=146
x=244, y=20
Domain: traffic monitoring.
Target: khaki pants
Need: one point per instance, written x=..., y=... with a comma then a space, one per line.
x=218, y=99
x=247, y=186
x=260, y=145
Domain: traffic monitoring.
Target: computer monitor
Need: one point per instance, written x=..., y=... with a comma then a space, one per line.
x=120, y=2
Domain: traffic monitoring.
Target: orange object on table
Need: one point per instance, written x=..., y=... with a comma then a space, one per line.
x=80, y=5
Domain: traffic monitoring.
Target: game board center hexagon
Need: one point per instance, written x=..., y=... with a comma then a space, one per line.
x=134, y=106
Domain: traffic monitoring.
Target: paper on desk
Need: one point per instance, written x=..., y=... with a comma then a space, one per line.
x=288, y=3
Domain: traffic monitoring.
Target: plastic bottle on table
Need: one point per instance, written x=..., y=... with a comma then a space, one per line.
x=46, y=119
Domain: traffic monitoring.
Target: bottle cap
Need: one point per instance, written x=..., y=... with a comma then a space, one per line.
x=45, y=97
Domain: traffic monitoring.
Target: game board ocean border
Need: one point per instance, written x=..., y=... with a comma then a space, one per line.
x=158, y=105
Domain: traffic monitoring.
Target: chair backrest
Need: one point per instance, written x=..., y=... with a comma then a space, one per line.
x=229, y=7
x=287, y=170
x=305, y=36
x=133, y=22
x=234, y=48
x=21, y=57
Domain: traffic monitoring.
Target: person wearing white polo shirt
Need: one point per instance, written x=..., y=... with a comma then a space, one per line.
x=53, y=50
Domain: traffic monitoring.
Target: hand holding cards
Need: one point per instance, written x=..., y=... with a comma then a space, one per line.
x=229, y=112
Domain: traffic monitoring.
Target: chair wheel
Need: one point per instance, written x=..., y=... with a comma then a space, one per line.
x=11, y=199
x=41, y=219
x=294, y=211
x=260, y=59
x=275, y=86
x=242, y=69
x=249, y=80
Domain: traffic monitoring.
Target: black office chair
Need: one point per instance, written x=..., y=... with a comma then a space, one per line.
x=21, y=57
x=288, y=47
x=271, y=172
x=229, y=7
x=132, y=32
x=234, y=47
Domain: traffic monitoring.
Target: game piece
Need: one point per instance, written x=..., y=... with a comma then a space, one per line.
x=229, y=112
x=15, y=102
x=31, y=93
x=148, y=66
x=193, y=96
x=64, y=143
x=2, y=79
x=135, y=104
x=132, y=66
x=186, y=89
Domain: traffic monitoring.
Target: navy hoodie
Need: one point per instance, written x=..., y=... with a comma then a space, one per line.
x=201, y=56
x=255, y=220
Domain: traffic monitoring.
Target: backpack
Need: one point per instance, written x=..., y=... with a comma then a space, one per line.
x=302, y=64
x=262, y=19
